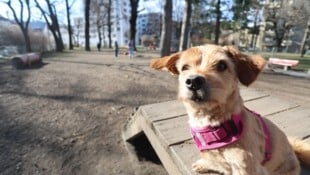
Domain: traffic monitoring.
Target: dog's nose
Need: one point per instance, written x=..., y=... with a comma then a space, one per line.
x=194, y=82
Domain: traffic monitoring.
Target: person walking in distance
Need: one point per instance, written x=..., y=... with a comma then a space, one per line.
x=99, y=46
x=130, y=49
x=116, y=48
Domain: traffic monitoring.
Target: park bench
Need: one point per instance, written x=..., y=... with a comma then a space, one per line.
x=166, y=128
x=285, y=63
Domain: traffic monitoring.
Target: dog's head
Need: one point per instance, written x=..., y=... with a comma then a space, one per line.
x=209, y=75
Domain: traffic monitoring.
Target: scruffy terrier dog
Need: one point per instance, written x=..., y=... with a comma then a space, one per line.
x=233, y=140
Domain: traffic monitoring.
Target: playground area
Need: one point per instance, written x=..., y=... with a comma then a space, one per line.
x=66, y=115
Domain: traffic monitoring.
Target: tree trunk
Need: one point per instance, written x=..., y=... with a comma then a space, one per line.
x=165, y=41
x=134, y=13
x=27, y=39
x=186, y=25
x=99, y=32
x=280, y=32
x=52, y=23
x=304, y=39
x=218, y=22
x=86, y=16
x=103, y=36
x=23, y=25
x=60, y=44
x=109, y=24
x=279, y=39
x=254, y=31
x=69, y=25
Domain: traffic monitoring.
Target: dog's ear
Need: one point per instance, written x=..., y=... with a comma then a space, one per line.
x=166, y=63
x=247, y=66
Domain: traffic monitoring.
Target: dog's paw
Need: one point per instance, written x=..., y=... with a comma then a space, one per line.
x=200, y=166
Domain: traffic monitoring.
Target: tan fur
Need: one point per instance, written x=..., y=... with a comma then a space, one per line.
x=223, y=99
x=302, y=150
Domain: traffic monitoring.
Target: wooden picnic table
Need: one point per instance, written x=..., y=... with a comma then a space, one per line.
x=166, y=127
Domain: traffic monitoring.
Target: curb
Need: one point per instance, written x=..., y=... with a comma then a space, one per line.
x=288, y=72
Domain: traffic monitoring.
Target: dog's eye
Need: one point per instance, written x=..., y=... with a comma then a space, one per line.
x=185, y=67
x=221, y=66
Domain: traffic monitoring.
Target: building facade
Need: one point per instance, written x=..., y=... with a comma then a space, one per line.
x=99, y=30
x=148, y=24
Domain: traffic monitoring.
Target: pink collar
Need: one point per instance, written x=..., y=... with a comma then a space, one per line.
x=208, y=138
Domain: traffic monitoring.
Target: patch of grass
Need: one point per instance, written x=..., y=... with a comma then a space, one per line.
x=304, y=62
x=4, y=60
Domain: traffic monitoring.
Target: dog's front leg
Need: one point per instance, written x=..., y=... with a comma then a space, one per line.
x=243, y=163
x=207, y=166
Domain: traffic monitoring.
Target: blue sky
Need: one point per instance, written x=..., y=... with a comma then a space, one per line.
x=77, y=9
x=36, y=14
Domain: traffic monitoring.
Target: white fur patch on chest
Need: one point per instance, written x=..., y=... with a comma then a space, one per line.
x=202, y=121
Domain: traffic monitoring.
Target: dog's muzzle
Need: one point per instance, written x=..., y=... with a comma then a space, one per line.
x=198, y=86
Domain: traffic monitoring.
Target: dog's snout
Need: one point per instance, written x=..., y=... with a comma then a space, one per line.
x=194, y=82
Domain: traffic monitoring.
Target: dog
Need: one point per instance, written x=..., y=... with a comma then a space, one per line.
x=232, y=139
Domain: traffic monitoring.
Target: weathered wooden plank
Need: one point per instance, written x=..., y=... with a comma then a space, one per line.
x=157, y=143
x=162, y=111
x=185, y=155
x=132, y=128
x=295, y=122
x=249, y=94
x=269, y=105
x=174, y=130
x=170, y=109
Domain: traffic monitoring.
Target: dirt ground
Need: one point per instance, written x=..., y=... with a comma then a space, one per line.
x=66, y=116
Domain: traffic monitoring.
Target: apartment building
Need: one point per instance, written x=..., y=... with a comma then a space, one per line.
x=120, y=15
x=148, y=24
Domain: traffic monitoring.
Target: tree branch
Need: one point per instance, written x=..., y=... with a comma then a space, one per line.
x=29, y=13
x=14, y=13
x=21, y=12
x=43, y=13
x=72, y=4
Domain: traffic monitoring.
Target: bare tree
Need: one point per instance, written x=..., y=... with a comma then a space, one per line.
x=133, y=18
x=201, y=22
x=284, y=15
x=12, y=35
x=96, y=7
x=218, y=21
x=23, y=25
x=86, y=16
x=305, y=38
x=178, y=17
x=52, y=23
x=78, y=25
x=186, y=25
x=103, y=12
x=165, y=41
x=109, y=9
x=68, y=7
x=301, y=16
